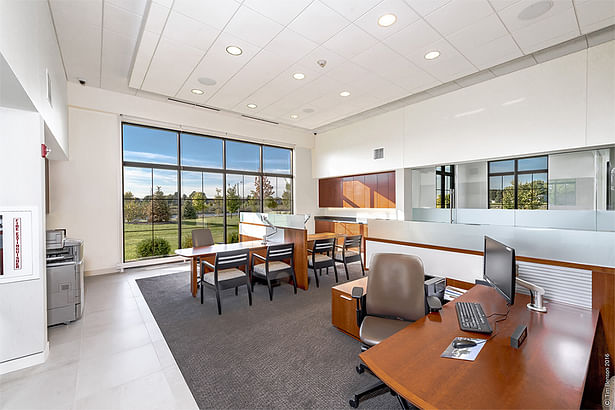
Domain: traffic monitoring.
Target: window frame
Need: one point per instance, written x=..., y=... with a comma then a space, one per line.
x=515, y=174
x=179, y=168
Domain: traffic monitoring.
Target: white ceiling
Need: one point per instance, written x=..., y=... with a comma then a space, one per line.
x=180, y=41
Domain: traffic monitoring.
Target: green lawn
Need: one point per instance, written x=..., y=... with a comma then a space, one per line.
x=136, y=232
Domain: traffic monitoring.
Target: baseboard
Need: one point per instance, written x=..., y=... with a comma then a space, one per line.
x=26, y=361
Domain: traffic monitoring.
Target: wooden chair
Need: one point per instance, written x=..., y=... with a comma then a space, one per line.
x=321, y=257
x=350, y=252
x=274, y=265
x=226, y=274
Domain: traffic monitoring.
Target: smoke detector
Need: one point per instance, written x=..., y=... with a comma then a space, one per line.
x=322, y=63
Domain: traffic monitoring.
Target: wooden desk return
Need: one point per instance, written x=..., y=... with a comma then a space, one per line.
x=210, y=252
x=547, y=371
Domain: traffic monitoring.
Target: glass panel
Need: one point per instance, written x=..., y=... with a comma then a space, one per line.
x=471, y=185
x=133, y=239
x=530, y=164
x=277, y=160
x=278, y=198
x=137, y=182
x=502, y=166
x=153, y=145
x=199, y=151
x=242, y=156
x=165, y=184
x=192, y=183
x=214, y=219
x=495, y=182
x=165, y=242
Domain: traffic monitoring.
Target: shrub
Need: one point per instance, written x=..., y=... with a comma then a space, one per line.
x=234, y=237
x=187, y=241
x=153, y=247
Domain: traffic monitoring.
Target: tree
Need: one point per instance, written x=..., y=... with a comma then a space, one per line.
x=268, y=192
x=158, y=209
x=233, y=202
x=198, y=201
x=133, y=209
x=530, y=195
x=189, y=210
x=287, y=196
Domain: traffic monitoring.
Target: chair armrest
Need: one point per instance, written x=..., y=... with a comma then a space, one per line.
x=357, y=294
x=209, y=265
x=434, y=304
x=310, y=251
x=256, y=255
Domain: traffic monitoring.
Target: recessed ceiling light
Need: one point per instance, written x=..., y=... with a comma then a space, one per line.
x=294, y=116
x=345, y=93
x=251, y=105
x=298, y=76
x=387, y=20
x=207, y=81
x=432, y=55
x=196, y=91
x=535, y=10
x=234, y=50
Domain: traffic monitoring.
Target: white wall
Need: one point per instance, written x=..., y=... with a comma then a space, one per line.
x=560, y=104
x=28, y=43
x=23, y=305
x=85, y=191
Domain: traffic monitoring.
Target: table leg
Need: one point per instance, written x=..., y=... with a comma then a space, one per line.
x=193, y=278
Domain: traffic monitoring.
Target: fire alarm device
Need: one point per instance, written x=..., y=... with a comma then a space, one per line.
x=44, y=150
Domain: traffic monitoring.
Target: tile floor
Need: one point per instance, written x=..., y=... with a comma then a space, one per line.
x=115, y=357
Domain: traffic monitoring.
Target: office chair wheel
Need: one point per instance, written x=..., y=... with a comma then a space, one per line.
x=359, y=369
x=354, y=403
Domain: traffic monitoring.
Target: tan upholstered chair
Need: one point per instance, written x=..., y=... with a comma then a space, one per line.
x=395, y=297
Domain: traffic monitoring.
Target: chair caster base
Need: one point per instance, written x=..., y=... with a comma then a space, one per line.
x=360, y=369
x=354, y=403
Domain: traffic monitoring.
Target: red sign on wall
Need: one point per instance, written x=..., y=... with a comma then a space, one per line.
x=17, y=243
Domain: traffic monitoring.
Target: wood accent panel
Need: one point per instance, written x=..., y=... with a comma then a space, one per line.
x=321, y=225
x=343, y=228
x=538, y=375
x=299, y=238
x=459, y=284
x=603, y=299
x=358, y=191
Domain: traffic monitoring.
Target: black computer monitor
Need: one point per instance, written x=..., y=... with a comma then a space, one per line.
x=499, y=268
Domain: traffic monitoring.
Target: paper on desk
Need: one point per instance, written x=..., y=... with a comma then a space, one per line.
x=464, y=353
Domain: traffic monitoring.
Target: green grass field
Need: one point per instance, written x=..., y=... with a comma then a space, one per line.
x=136, y=232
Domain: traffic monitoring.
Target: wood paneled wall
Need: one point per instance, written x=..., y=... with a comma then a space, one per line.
x=358, y=191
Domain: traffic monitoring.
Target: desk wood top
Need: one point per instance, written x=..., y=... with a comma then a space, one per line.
x=323, y=235
x=548, y=371
x=221, y=247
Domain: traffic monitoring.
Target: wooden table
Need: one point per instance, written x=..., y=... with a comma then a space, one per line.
x=548, y=371
x=323, y=235
x=210, y=251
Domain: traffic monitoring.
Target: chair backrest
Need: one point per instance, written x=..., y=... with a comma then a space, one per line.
x=395, y=286
x=232, y=259
x=323, y=245
x=352, y=242
x=280, y=252
x=202, y=237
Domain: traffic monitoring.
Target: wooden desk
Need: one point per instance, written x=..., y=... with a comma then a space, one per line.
x=344, y=308
x=323, y=235
x=210, y=251
x=548, y=371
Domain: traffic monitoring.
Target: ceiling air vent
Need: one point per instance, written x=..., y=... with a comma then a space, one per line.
x=192, y=104
x=259, y=119
x=379, y=153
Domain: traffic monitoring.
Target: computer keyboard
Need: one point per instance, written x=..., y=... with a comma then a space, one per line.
x=472, y=318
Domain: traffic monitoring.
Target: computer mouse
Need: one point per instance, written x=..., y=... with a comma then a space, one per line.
x=461, y=343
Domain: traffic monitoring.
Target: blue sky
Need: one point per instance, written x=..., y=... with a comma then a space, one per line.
x=142, y=144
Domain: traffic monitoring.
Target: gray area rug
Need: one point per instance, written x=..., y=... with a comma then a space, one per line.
x=279, y=354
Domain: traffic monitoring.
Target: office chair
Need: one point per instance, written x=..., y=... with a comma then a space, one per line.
x=395, y=298
x=226, y=274
x=322, y=257
x=274, y=265
x=350, y=252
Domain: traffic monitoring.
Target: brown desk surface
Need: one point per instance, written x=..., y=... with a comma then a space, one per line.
x=323, y=235
x=548, y=371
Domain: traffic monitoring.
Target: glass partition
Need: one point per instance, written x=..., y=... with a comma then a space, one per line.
x=572, y=190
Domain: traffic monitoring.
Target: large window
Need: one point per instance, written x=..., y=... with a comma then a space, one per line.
x=518, y=183
x=175, y=182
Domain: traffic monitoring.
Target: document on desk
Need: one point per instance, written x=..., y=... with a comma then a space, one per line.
x=464, y=353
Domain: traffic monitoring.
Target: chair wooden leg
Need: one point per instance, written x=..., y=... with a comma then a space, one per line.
x=270, y=289
x=249, y=293
x=346, y=268
x=294, y=280
x=218, y=300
